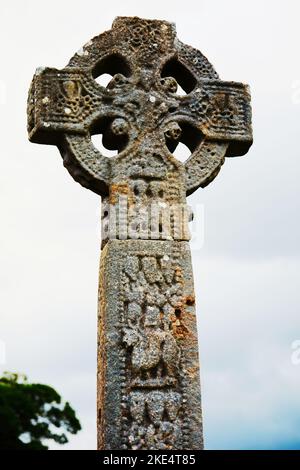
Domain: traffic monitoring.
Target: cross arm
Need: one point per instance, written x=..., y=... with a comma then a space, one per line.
x=61, y=101
x=63, y=106
x=222, y=112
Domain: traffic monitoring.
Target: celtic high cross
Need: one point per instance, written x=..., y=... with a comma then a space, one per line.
x=148, y=373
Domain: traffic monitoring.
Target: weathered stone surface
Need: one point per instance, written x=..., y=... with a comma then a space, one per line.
x=148, y=379
x=148, y=356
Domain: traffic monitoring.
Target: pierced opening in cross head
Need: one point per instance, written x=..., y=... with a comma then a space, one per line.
x=109, y=135
x=111, y=70
x=182, y=139
x=176, y=78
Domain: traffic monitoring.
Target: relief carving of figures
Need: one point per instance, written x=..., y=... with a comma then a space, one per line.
x=152, y=290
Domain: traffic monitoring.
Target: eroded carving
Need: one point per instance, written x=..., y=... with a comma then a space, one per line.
x=153, y=295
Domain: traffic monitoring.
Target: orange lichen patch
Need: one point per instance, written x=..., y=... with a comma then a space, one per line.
x=181, y=331
x=193, y=371
x=189, y=300
x=118, y=189
x=179, y=275
x=179, y=327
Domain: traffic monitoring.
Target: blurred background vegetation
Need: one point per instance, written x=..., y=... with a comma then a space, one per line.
x=32, y=414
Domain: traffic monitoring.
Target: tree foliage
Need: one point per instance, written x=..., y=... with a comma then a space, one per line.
x=32, y=413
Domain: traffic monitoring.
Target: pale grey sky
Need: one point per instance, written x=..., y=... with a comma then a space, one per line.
x=246, y=273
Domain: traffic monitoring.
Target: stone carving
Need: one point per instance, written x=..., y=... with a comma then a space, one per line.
x=148, y=381
x=158, y=362
x=152, y=291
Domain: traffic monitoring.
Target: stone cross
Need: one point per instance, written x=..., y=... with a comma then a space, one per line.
x=148, y=372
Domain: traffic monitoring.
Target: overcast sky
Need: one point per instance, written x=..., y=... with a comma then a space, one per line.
x=247, y=271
